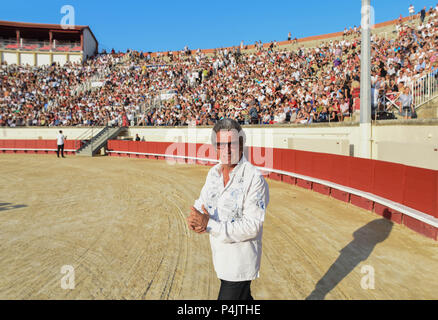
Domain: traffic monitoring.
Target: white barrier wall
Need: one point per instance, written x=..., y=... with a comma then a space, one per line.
x=46, y=133
x=415, y=145
x=43, y=59
x=60, y=58
x=10, y=57
x=75, y=58
x=27, y=58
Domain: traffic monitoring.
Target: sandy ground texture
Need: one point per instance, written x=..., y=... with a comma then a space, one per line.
x=120, y=224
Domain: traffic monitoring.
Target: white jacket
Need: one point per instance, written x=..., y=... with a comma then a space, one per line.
x=236, y=219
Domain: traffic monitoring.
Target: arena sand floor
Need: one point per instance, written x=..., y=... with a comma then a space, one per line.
x=120, y=223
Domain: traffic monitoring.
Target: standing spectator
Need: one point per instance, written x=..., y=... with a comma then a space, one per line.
x=289, y=36
x=254, y=114
x=411, y=11
x=406, y=106
x=60, y=143
x=355, y=93
x=423, y=15
x=124, y=120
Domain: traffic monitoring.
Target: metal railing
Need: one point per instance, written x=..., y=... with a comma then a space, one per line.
x=424, y=89
x=101, y=138
x=84, y=136
x=105, y=132
x=34, y=45
x=391, y=99
x=87, y=85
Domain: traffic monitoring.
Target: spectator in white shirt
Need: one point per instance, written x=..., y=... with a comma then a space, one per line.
x=345, y=109
x=411, y=10
x=231, y=208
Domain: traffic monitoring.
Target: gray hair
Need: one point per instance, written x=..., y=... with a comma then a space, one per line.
x=228, y=124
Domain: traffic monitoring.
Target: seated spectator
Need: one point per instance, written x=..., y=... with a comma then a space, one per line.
x=293, y=115
x=281, y=116
x=266, y=118
x=345, y=110
x=323, y=116
x=333, y=116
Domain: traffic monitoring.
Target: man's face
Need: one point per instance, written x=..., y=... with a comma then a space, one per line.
x=227, y=146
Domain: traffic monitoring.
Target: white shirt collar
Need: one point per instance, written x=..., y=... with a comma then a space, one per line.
x=235, y=169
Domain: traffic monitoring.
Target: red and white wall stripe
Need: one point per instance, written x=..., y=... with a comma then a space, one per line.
x=404, y=194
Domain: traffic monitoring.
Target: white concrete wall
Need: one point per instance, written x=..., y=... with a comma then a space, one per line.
x=75, y=58
x=27, y=58
x=43, y=59
x=411, y=145
x=60, y=58
x=415, y=145
x=10, y=57
x=47, y=133
x=90, y=45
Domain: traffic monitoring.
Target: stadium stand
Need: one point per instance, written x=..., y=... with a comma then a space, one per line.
x=266, y=84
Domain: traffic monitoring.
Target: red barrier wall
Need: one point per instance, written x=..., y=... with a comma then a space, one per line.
x=420, y=190
x=22, y=144
x=414, y=187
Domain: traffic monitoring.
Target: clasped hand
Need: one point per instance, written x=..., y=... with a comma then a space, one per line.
x=197, y=221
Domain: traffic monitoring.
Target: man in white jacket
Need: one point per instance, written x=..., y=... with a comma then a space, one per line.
x=231, y=208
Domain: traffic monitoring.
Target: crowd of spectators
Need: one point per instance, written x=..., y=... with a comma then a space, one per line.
x=265, y=86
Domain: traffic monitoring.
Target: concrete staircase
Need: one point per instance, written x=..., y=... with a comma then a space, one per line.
x=91, y=147
x=429, y=110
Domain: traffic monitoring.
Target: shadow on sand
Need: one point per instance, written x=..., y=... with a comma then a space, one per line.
x=365, y=239
x=9, y=206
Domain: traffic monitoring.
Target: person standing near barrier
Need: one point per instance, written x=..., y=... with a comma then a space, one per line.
x=231, y=208
x=60, y=142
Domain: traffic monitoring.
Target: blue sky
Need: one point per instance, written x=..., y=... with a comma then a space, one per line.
x=170, y=25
